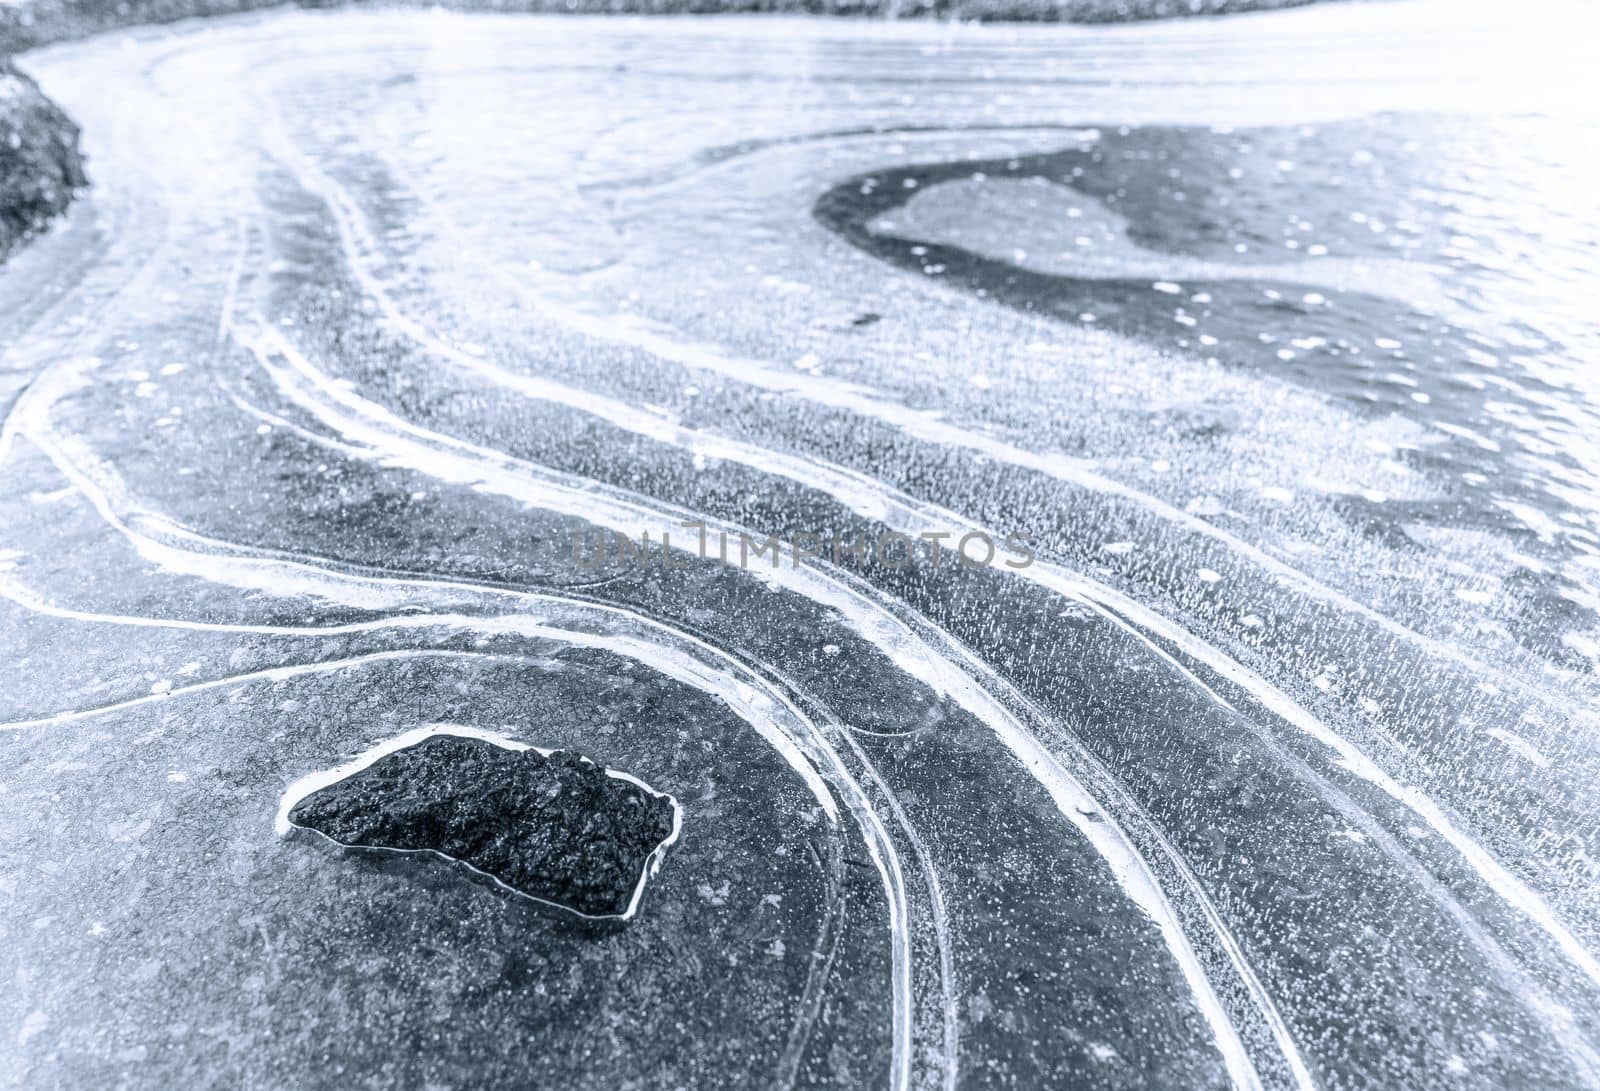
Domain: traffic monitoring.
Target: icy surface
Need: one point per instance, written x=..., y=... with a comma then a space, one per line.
x=1264, y=754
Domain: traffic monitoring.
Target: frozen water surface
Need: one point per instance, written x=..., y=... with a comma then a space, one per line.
x=1263, y=753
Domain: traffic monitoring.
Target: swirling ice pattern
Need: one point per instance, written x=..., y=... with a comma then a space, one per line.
x=368, y=314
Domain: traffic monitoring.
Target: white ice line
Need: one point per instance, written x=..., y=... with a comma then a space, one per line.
x=736, y=694
x=947, y=973
x=268, y=674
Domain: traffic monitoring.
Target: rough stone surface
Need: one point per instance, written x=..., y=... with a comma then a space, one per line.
x=557, y=828
x=40, y=166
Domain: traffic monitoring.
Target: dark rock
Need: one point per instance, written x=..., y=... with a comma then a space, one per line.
x=556, y=828
x=40, y=167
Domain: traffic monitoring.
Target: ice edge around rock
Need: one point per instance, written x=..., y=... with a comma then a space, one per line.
x=308, y=785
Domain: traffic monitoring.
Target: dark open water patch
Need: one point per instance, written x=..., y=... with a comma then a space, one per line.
x=1238, y=198
x=555, y=827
